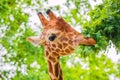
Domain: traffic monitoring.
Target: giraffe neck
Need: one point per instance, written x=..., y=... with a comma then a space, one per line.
x=54, y=69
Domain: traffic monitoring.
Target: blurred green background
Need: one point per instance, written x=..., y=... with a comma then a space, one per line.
x=20, y=60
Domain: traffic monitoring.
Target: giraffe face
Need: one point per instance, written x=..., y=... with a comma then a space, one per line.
x=57, y=41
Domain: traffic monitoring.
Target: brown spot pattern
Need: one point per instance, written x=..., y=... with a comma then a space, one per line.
x=71, y=48
x=52, y=49
x=60, y=76
x=62, y=53
x=57, y=50
x=59, y=45
x=55, y=54
x=49, y=48
x=56, y=69
x=53, y=45
x=65, y=45
x=52, y=59
x=50, y=67
x=64, y=39
x=67, y=50
x=70, y=42
x=47, y=53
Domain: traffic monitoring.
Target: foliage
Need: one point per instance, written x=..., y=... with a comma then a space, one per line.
x=87, y=64
x=104, y=23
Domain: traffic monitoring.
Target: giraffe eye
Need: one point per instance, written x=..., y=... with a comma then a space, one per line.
x=52, y=37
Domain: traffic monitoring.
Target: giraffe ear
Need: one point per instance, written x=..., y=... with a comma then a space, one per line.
x=87, y=41
x=35, y=40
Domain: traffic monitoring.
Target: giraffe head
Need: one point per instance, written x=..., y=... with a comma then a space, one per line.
x=58, y=35
x=58, y=38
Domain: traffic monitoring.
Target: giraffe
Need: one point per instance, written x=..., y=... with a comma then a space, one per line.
x=58, y=39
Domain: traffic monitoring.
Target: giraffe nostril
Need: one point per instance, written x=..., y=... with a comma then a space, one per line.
x=52, y=37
